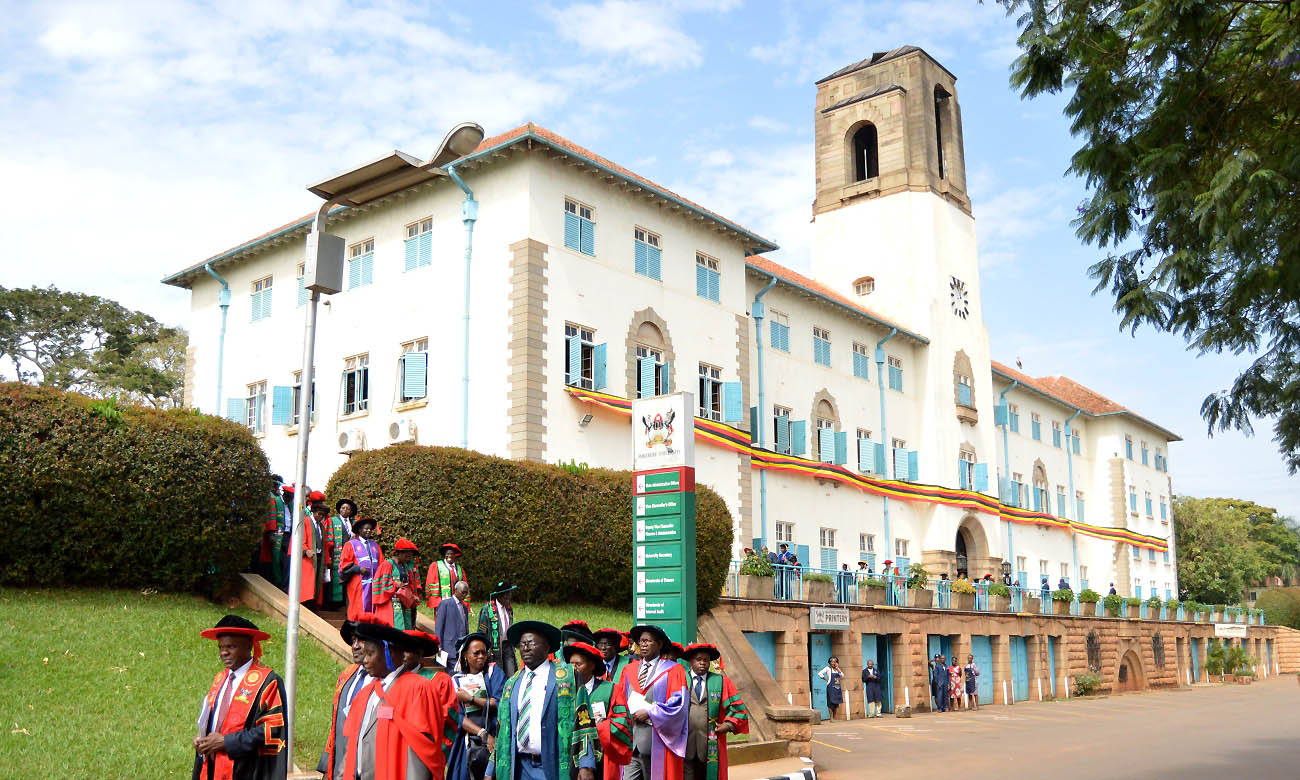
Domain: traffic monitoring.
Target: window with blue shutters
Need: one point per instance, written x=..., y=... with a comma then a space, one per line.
x=260, y=300
x=302, y=287
x=1151, y=555
x=417, y=252
x=281, y=405
x=779, y=325
x=825, y=441
x=965, y=393
x=707, y=277
x=982, y=477
x=356, y=384
x=1132, y=500
x=413, y=370
x=866, y=452
x=1166, y=554
x=1013, y=417
x=652, y=372
x=1036, y=427
x=584, y=360
x=1128, y=447
x=1074, y=443
x=821, y=346
x=1056, y=434
x=579, y=227
x=861, y=361
x=647, y=253
x=1144, y=454
x=798, y=437
x=237, y=410
x=1078, y=506
x=1149, y=505
x=1060, y=501
x=841, y=448
x=711, y=392
x=966, y=470
x=297, y=395
x=1164, y=509
x=1137, y=553
x=781, y=430
x=895, y=373
x=255, y=407
x=733, y=402
x=361, y=264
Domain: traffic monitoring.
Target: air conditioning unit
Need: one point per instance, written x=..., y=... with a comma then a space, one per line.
x=401, y=431
x=352, y=440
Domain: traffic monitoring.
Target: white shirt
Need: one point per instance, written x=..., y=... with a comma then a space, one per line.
x=227, y=689
x=503, y=617
x=698, y=682
x=371, y=705
x=359, y=681
x=532, y=743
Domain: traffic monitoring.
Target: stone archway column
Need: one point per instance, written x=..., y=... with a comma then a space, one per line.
x=1001, y=669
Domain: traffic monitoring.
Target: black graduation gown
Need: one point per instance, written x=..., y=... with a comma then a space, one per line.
x=257, y=752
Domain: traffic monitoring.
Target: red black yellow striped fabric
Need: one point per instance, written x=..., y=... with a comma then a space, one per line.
x=736, y=440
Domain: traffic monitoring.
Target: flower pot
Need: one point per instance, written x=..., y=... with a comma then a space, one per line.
x=752, y=586
x=1060, y=607
x=818, y=591
x=1003, y=604
x=963, y=601
x=920, y=598
x=871, y=596
x=1032, y=606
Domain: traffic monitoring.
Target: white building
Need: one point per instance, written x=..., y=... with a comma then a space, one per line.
x=591, y=285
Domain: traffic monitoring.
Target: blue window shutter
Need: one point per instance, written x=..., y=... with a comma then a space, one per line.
x=572, y=231
x=574, y=344
x=732, y=404
x=598, y=372
x=237, y=410
x=368, y=269
x=715, y=286
x=701, y=281
x=1000, y=414
x=426, y=249
x=753, y=425
x=841, y=448
x=900, y=463
x=646, y=369
x=354, y=273
x=1056, y=438
x=415, y=373
x=1060, y=505
x=1015, y=422
x=830, y=558
x=866, y=456
x=302, y=290
x=881, y=465
x=962, y=477
x=982, y=477
x=785, y=337
x=1076, y=444
x=913, y=462
x=799, y=437
x=1078, y=509
x=281, y=405
x=1037, y=430
x=655, y=259
x=411, y=254
x=783, y=434
x=963, y=395
x=826, y=445
x=1164, y=511
x=1132, y=502
x=1148, y=506
x=801, y=550
x=774, y=340
x=1038, y=501
x=666, y=377
x=588, y=236
x=640, y=257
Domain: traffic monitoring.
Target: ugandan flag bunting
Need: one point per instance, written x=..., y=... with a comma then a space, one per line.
x=737, y=441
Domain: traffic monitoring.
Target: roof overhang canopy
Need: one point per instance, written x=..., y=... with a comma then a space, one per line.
x=376, y=179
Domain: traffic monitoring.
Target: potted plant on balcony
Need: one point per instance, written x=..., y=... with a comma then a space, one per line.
x=755, y=578
x=872, y=591
x=1192, y=610
x=1114, y=603
x=1061, y=601
x=917, y=595
x=1088, y=596
x=999, y=597
x=818, y=587
x=1153, y=607
x=1131, y=606
x=963, y=595
x=1171, y=609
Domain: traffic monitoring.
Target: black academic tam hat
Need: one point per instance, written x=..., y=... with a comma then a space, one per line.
x=547, y=630
x=659, y=633
x=348, y=630
x=373, y=632
x=338, y=507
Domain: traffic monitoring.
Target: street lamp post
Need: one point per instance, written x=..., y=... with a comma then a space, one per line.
x=323, y=275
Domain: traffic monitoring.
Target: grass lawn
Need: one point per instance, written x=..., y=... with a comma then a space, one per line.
x=107, y=684
x=596, y=617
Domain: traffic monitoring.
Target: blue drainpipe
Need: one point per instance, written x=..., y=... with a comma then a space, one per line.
x=758, y=311
x=1005, y=479
x=884, y=432
x=223, y=300
x=1074, y=513
x=468, y=214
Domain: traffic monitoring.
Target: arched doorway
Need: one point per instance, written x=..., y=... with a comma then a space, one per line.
x=963, y=561
x=1129, y=676
x=971, y=549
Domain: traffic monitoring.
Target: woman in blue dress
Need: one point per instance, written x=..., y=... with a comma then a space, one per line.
x=479, y=684
x=832, y=674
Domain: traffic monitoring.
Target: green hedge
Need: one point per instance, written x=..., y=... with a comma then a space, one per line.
x=561, y=537
x=128, y=497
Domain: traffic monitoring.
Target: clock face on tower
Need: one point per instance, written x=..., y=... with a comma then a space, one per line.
x=958, y=297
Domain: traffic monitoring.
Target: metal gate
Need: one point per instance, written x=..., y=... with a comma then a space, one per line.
x=982, y=648
x=819, y=654
x=1019, y=669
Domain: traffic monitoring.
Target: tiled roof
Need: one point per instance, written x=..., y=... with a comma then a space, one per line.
x=797, y=279
x=529, y=130
x=879, y=57
x=1071, y=393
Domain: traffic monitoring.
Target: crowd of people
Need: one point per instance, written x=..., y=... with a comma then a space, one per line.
x=512, y=699
x=952, y=686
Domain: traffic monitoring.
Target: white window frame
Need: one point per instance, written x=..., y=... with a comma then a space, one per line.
x=710, y=392
x=360, y=249
x=864, y=287
x=645, y=350
x=586, y=348
x=297, y=395
x=255, y=406
x=778, y=412
x=579, y=209
x=408, y=347
x=867, y=543
x=900, y=548
x=826, y=536
x=419, y=227
x=261, y=288
x=358, y=365
x=784, y=532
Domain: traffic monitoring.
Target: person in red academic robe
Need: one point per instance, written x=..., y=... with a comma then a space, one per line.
x=716, y=711
x=358, y=563
x=395, y=728
x=352, y=680
x=650, y=706
x=310, y=551
x=241, y=722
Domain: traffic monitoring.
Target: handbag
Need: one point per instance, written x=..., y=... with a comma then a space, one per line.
x=407, y=596
x=478, y=755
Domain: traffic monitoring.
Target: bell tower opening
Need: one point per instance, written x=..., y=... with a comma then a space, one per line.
x=866, y=153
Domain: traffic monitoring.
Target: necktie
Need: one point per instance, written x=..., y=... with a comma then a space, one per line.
x=699, y=688
x=644, y=677
x=525, y=709
x=224, y=695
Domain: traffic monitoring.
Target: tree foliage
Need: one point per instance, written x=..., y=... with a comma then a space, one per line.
x=84, y=343
x=1189, y=115
x=1224, y=545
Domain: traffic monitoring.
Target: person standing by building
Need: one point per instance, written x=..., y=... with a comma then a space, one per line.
x=351, y=680
x=443, y=575
x=451, y=621
x=939, y=683
x=268, y=555
x=494, y=622
x=955, y=685
x=834, y=677
x=314, y=527
x=395, y=591
x=479, y=684
x=546, y=730
x=972, y=672
x=357, y=566
x=652, y=702
x=241, y=721
x=716, y=711
x=338, y=532
x=576, y=631
x=871, y=679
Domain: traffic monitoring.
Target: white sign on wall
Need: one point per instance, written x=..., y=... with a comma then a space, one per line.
x=663, y=431
x=1230, y=630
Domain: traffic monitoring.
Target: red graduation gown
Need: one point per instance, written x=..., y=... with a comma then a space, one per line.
x=307, y=586
x=344, y=676
x=408, y=716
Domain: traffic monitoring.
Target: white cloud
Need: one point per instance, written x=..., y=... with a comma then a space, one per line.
x=767, y=124
x=645, y=33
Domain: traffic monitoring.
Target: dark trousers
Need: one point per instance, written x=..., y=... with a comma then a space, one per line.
x=529, y=768
x=941, y=698
x=697, y=768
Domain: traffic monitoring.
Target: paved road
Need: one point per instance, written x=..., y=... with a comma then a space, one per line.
x=1226, y=732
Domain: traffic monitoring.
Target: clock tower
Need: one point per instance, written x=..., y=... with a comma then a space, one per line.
x=894, y=233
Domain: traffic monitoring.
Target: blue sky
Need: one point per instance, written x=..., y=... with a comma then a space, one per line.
x=142, y=137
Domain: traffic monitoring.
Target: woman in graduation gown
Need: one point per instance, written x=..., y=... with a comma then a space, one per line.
x=479, y=683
